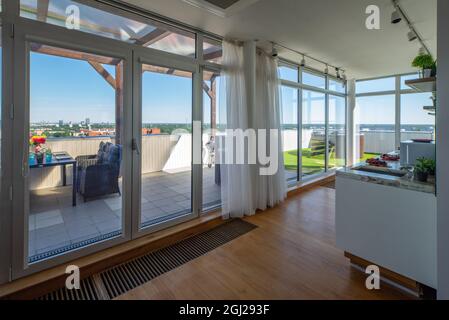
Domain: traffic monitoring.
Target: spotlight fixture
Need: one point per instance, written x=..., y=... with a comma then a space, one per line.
x=396, y=16
x=411, y=35
x=274, y=52
x=343, y=77
x=303, y=61
x=326, y=71
x=422, y=51
x=338, y=73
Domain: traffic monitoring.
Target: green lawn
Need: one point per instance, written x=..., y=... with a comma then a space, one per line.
x=312, y=164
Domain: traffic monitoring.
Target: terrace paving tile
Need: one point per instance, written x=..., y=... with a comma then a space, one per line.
x=54, y=223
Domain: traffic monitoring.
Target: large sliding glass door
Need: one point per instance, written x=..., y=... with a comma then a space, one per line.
x=110, y=142
x=164, y=142
x=166, y=159
x=72, y=175
x=75, y=156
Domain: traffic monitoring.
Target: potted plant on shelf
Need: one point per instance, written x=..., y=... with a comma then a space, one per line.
x=426, y=63
x=37, y=143
x=423, y=168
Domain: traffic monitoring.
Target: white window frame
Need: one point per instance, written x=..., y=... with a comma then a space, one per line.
x=300, y=87
x=397, y=92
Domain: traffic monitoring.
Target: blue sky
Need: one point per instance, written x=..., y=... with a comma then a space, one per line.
x=70, y=90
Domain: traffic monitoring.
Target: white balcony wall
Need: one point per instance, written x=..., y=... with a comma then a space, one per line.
x=172, y=153
x=384, y=141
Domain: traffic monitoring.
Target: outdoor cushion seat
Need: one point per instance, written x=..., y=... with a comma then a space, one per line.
x=98, y=175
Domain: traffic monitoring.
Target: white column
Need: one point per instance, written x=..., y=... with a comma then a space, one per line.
x=351, y=134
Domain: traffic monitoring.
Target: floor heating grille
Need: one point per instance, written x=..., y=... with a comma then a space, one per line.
x=122, y=278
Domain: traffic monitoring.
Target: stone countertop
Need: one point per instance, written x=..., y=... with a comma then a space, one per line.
x=405, y=182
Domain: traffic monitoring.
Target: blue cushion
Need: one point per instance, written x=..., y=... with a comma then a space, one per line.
x=101, y=153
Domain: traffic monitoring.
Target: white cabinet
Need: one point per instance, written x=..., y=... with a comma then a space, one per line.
x=392, y=227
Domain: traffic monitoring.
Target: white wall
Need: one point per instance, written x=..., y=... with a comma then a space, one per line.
x=443, y=150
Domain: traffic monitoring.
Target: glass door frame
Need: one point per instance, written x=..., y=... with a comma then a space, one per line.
x=153, y=57
x=6, y=146
x=58, y=37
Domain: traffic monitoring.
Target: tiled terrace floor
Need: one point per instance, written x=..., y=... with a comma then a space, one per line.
x=54, y=224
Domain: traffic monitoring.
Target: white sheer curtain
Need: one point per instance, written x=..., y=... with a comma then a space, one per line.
x=236, y=187
x=270, y=188
x=249, y=186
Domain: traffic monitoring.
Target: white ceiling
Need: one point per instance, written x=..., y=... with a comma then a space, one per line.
x=330, y=30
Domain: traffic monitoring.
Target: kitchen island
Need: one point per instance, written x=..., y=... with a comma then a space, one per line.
x=388, y=219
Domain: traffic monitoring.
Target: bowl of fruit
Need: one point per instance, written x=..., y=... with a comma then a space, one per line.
x=376, y=162
x=390, y=157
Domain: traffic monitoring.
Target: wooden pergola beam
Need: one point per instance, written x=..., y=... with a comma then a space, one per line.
x=164, y=70
x=212, y=55
x=153, y=37
x=66, y=53
x=42, y=10
x=104, y=74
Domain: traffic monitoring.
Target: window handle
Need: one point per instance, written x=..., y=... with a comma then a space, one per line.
x=135, y=146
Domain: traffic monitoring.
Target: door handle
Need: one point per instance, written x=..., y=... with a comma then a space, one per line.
x=135, y=146
x=26, y=162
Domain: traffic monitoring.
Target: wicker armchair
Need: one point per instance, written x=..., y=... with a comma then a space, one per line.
x=98, y=174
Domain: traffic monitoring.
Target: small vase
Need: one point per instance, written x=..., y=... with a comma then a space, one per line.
x=39, y=158
x=32, y=159
x=48, y=158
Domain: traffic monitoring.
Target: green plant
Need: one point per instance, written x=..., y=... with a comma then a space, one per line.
x=424, y=165
x=424, y=61
x=432, y=166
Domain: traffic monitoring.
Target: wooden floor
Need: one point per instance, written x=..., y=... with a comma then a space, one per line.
x=292, y=255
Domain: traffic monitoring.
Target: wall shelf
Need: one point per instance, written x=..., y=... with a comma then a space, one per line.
x=423, y=84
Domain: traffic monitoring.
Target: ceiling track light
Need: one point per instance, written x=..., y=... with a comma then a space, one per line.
x=338, y=73
x=411, y=35
x=274, y=51
x=396, y=16
x=303, y=61
x=304, y=57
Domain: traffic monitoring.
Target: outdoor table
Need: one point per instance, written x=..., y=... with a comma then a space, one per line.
x=63, y=163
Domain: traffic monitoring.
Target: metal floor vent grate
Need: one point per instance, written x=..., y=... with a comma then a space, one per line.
x=88, y=291
x=122, y=278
